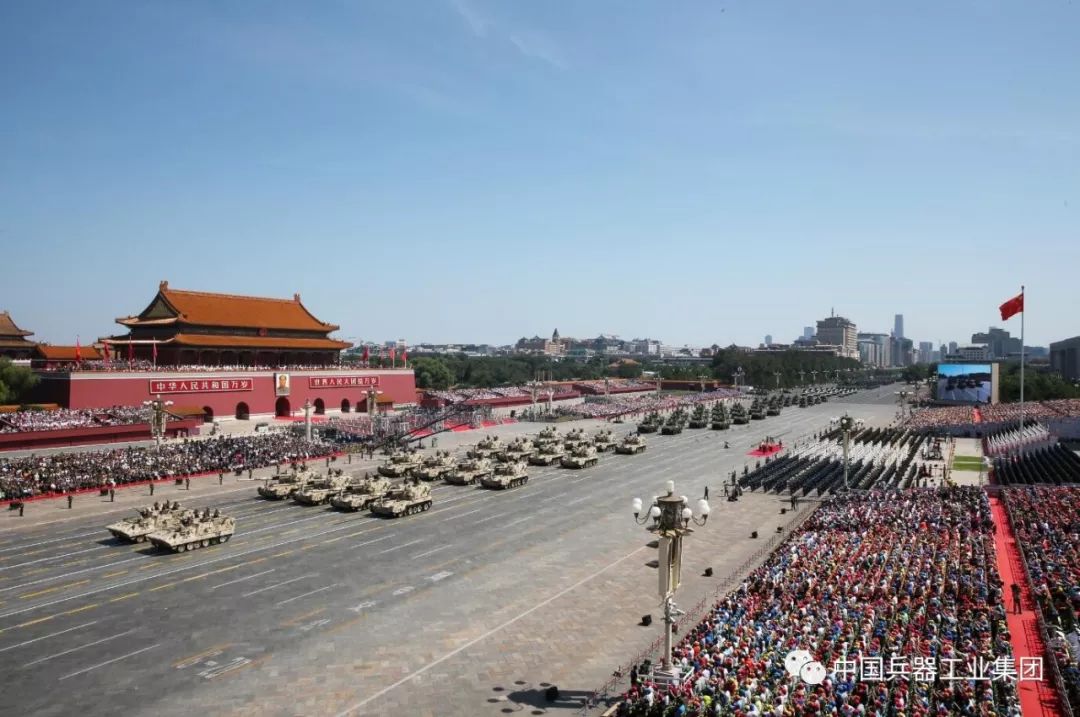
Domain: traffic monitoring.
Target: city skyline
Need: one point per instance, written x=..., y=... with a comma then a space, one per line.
x=463, y=169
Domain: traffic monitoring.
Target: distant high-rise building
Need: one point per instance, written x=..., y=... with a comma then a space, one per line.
x=808, y=332
x=1065, y=358
x=926, y=348
x=952, y=347
x=839, y=331
x=875, y=350
x=898, y=326
x=768, y=339
x=999, y=343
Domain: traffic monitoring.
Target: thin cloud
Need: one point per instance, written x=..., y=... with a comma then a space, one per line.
x=528, y=43
x=477, y=23
x=538, y=47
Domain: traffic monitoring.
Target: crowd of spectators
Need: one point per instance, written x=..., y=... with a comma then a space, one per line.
x=459, y=395
x=626, y=385
x=1067, y=407
x=67, y=418
x=1047, y=525
x=1010, y=412
x=939, y=418
x=892, y=575
x=62, y=472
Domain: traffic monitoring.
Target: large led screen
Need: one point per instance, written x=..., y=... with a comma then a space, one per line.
x=965, y=382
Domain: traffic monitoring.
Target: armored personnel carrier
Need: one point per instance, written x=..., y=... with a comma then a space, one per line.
x=651, y=424
x=518, y=449
x=150, y=519
x=435, y=466
x=408, y=499
x=506, y=475
x=486, y=448
x=195, y=531
x=360, y=494
x=698, y=419
x=401, y=463
x=547, y=436
x=583, y=456
x=469, y=471
x=547, y=455
x=282, y=487
x=631, y=445
x=320, y=491
x=603, y=441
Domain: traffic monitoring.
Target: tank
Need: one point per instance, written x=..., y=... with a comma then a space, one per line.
x=547, y=455
x=159, y=516
x=547, y=436
x=575, y=438
x=469, y=471
x=757, y=411
x=283, y=487
x=435, y=466
x=651, y=424
x=803, y=402
x=518, y=449
x=195, y=531
x=321, y=490
x=401, y=463
x=673, y=425
x=631, y=445
x=407, y=499
x=506, y=475
x=773, y=409
x=699, y=418
x=604, y=441
x=360, y=494
x=486, y=448
x=738, y=415
x=580, y=457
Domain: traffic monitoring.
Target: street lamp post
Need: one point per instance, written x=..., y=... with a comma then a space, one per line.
x=802, y=377
x=157, y=417
x=776, y=375
x=307, y=419
x=739, y=373
x=813, y=375
x=671, y=518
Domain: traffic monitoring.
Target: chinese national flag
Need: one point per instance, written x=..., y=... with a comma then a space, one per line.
x=105, y=350
x=131, y=352
x=1012, y=307
x=405, y=356
x=366, y=354
x=78, y=350
x=393, y=355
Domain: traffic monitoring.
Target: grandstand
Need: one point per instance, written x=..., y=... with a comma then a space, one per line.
x=1048, y=465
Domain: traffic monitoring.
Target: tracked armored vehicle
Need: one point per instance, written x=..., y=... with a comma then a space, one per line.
x=469, y=471
x=581, y=457
x=408, y=499
x=604, y=441
x=547, y=436
x=803, y=403
x=631, y=445
x=506, y=475
x=359, y=495
x=486, y=448
x=673, y=425
x=699, y=418
x=401, y=463
x=150, y=519
x=436, y=466
x=321, y=490
x=739, y=416
x=518, y=449
x=651, y=424
x=547, y=455
x=576, y=438
x=283, y=487
x=195, y=531
x=757, y=411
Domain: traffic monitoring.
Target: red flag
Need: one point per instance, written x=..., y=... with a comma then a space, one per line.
x=1012, y=307
x=131, y=352
x=105, y=349
x=393, y=354
x=155, y=351
x=366, y=354
x=78, y=350
x=405, y=356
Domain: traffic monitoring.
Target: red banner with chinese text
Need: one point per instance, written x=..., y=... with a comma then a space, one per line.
x=201, y=385
x=342, y=381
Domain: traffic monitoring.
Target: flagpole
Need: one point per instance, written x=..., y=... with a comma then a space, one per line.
x=1022, y=314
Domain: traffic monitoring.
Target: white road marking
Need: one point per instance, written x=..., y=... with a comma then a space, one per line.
x=461, y=515
x=46, y=542
x=277, y=585
x=404, y=590
x=398, y=547
x=490, y=517
x=57, y=557
x=441, y=547
x=440, y=576
x=353, y=708
x=376, y=540
x=364, y=605
x=109, y=662
x=240, y=580
x=519, y=520
x=283, y=602
x=80, y=647
x=46, y=637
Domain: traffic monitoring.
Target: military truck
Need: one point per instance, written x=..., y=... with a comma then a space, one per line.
x=469, y=471
x=408, y=499
x=360, y=494
x=195, y=531
x=603, y=441
x=548, y=454
x=319, y=492
x=631, y=445
x=282, y=487
x=401, y=463
x=435, y=466
x=486, y=448
x=698, y=419
x=150, y=519
x=583, y=456
x=506, y=475
x=518, y=449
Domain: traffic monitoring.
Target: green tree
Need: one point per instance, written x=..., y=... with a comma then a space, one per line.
x=15, y=381
x=1039, y=385
x=629, y=369
x=432, y=373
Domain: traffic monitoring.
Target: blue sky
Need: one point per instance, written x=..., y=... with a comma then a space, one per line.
x=474, y=170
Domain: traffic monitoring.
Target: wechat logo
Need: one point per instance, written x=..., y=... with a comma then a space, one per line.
x=801, y=664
